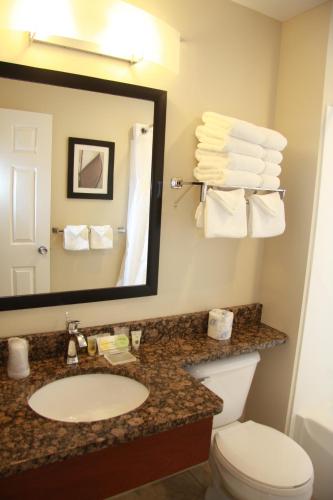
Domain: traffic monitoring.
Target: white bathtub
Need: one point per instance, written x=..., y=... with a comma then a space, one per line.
x=314, y=432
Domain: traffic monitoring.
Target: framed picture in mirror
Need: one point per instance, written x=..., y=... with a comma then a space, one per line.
x=90, y=169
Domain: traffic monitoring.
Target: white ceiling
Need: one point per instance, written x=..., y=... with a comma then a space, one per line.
x=282, y=10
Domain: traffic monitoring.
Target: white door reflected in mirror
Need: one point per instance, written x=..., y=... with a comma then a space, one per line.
x=25, y=179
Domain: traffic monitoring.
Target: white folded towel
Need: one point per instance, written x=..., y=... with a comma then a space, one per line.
x=269, y=182
x=101, y=237
x=225, y=177
x=273, y=139
x=225, y=214
x=233, y=161
x=266, y=215
x=199, y=215
x=272, y=155
x=231, y=145
x=236, y=128
x=271, y=169
x=76, y=238
x=199, y=154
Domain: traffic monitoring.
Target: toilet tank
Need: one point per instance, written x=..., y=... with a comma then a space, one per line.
x=230, y=379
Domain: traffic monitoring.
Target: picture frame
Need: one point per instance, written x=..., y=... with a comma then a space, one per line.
x=90, y=169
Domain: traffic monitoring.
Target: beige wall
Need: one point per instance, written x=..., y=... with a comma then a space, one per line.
x=228, y=63
x=313, y=370
x=299, y=106
x=328, y=96
x=72, y=112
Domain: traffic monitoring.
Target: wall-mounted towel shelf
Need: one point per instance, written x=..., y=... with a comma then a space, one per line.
x=178, y=183
x=56, y=230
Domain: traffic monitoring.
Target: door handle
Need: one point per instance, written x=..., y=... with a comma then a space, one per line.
x=42, y=250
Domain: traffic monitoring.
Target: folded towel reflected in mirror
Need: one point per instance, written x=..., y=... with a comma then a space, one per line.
x=101, y=237
x=76, y=238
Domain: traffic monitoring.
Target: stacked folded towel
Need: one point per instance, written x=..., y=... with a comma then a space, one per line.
x=233, y=152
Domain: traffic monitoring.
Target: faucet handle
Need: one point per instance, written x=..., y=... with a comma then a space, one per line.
x=72, y=325
x=81, y=340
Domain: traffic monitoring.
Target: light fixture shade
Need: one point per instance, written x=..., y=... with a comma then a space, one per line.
x=107, y=27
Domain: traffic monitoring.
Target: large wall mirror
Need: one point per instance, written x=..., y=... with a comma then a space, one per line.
x=81, y=172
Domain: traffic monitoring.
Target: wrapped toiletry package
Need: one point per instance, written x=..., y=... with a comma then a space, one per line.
x=220, y=324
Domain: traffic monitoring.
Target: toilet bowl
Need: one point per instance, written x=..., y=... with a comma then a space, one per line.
x=249, y=461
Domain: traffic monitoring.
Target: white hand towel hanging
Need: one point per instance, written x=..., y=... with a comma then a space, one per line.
x=199, y=215
x=101, y=237
x=225, y=214
x=266, y=215
x=236, y=128
x=76, y=238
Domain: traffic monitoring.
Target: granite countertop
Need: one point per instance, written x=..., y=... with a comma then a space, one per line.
x=28, y=440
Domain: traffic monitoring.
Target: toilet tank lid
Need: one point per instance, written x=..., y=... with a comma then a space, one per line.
x=209, y=368
x=264, y=454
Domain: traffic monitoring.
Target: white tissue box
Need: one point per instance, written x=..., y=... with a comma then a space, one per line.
x=220, y=324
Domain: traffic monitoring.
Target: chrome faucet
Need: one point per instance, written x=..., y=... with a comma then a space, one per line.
x=75, y=341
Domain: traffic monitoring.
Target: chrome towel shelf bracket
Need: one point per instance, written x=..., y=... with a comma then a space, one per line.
x=178, y=183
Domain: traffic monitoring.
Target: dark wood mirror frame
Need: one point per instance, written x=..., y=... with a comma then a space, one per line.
x=158, y=97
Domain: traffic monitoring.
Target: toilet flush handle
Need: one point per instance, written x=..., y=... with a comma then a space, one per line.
x=202, y=380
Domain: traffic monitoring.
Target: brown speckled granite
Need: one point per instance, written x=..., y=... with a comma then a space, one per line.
x=50, y=344
x=29, y=441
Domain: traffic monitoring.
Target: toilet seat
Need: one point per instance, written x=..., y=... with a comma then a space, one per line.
x=264, y=459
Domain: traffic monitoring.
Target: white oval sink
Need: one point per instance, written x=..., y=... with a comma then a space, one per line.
x=88, y=398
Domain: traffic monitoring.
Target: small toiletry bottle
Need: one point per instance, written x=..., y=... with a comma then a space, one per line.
x=18, y=363
x=92, y=346
x=136, y=338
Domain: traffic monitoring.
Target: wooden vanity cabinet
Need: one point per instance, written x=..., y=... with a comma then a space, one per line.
x=109, y=471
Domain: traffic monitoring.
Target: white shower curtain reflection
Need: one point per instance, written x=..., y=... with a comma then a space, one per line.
x=134, y=265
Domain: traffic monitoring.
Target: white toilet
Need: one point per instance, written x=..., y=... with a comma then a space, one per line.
x=249, y=461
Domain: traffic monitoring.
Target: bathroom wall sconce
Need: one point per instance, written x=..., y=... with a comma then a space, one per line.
x=118, y=30
x=81, y=45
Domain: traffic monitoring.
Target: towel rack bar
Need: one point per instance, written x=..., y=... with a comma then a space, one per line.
x=56, y=230
x=178, y=183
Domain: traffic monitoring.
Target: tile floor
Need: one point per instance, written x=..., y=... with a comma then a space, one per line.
x=188, y=485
